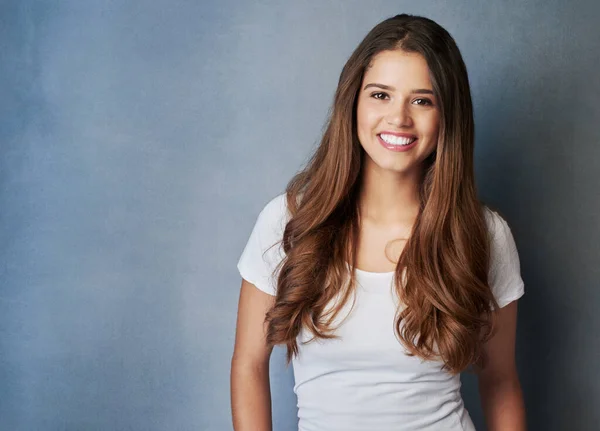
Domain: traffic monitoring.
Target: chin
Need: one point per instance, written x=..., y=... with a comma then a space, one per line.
x=387, y=164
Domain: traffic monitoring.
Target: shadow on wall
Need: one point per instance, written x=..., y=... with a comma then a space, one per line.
x=525, y=172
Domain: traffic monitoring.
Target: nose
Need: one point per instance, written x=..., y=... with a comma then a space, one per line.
x=399, y=116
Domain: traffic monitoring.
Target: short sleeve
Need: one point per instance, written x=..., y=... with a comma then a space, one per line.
x=504, y=276
x=263, y=251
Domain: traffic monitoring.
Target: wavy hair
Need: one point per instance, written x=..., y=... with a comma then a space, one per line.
x=441, y=276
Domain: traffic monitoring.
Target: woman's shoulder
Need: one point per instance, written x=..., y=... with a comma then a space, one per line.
x=496, y=224
x=502, y=242
x=504, y=268
x=274, y=214
x=276, y=207
x=272, y=219
x=263, y=251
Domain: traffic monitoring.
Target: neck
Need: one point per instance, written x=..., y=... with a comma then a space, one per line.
x=387, y=197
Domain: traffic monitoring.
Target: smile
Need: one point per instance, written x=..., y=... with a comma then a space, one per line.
x=397, y=143
x=397, y=140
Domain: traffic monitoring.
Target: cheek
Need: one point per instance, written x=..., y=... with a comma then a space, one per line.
x=361, y=122
x=432, y=125
x=366, y=119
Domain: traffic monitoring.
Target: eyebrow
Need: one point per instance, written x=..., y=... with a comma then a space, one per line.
x=390, y=88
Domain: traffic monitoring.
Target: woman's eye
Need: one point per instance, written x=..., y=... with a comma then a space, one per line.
x=423, y=102
x=379, y=96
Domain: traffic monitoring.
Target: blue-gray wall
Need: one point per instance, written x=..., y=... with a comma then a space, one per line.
x=139, y=140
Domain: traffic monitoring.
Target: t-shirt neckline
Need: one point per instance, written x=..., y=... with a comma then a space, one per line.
x=372, y=274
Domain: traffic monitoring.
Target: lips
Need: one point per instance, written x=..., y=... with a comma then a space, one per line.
x=397, y=138
x=394, y=143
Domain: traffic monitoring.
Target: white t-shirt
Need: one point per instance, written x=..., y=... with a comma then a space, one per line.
x=363, y=380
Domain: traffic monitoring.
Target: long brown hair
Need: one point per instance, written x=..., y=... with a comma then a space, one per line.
x=447, y=313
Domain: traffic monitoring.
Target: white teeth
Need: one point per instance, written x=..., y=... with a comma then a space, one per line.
x=397, y=140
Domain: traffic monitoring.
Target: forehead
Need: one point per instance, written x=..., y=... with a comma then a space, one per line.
x=399, y=69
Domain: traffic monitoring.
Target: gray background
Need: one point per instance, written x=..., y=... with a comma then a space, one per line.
x=140, y=139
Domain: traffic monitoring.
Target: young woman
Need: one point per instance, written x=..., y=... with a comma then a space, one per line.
x=379, y=269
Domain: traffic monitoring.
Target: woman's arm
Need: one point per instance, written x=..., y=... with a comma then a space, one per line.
x=499, y=387
x=250, y=387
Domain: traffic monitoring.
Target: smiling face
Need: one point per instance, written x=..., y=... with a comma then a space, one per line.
x=397, y=114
